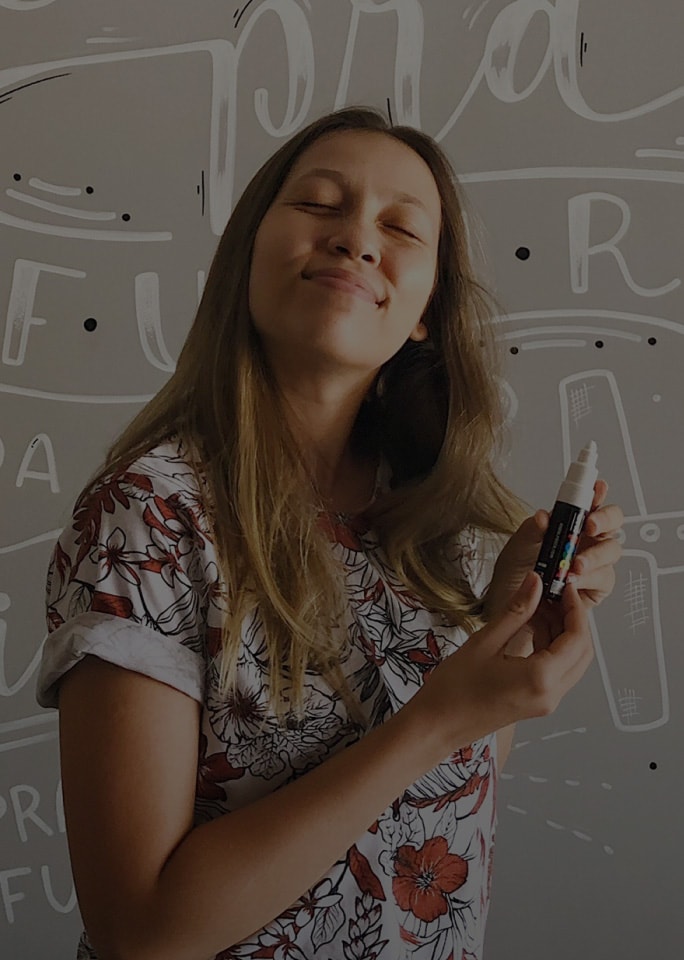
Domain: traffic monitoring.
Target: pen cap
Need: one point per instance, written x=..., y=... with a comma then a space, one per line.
x=578, y=486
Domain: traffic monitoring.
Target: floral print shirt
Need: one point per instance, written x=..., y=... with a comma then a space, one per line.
x=133, y=579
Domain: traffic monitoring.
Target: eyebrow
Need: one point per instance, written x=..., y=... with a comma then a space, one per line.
x=338, y=177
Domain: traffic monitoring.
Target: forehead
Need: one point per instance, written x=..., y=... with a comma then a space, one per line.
x=373, y=159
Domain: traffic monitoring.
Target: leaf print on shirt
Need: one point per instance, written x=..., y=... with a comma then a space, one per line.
x=364, y=931
x=454, y=781
x=425, y=876
x=323, y=908
x=103, y=498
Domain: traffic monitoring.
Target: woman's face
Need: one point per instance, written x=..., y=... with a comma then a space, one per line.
x=345, y=259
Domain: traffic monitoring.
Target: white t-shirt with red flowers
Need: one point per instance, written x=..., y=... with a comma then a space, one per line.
x=134, y=580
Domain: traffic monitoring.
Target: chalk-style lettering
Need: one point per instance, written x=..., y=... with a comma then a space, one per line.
x=50, y=894
x=40, y=440
x=8, y=898
x=24, y=811
x=408, y=57
x=20, y=309
x=579, y=223
x=148, y=315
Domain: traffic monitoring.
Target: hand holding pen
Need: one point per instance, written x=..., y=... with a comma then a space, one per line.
x=481, y=688
x=593, y=547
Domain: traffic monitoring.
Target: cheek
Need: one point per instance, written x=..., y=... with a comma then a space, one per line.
x=418, y=282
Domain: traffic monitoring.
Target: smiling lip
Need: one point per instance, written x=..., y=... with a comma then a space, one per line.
x=345, y=280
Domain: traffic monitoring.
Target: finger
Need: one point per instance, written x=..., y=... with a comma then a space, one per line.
x=601, y=587
x=601, y=553
x=604, y=521
x=570, y=646
x=517, y=612
x=600, y=492
x=541, y=519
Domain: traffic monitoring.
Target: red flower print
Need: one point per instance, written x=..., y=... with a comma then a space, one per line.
x=213, y=770
x=110, y=603
x=424, y=877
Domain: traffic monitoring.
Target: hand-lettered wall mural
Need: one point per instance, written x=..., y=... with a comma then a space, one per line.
x=127, y=133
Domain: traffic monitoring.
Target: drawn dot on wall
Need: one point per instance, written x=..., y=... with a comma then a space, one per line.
x=652, y=341
x=650, y=532
x=126, y=216
x=90, y=324
x=523, y=253
x=653, y=766
x=598, y=343
x=89, y=190
x=656, y=398
x=514, y=350
x=4, y=602
x=16, y=176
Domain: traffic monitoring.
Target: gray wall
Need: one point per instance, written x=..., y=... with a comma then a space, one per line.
x=128, y=129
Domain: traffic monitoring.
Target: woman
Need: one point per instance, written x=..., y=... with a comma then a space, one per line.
x=275, y=739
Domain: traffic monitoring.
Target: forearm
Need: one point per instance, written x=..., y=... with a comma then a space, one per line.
x=233, y=875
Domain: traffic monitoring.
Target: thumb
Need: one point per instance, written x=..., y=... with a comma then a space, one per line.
x=537, y=525
x=518, y=610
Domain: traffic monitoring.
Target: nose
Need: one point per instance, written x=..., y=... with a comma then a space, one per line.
x=353, y=237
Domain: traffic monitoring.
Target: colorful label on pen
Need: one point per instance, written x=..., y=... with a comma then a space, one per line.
x=559, y=547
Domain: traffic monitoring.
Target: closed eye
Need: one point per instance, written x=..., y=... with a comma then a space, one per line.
x=319, y=206
x=399, y=229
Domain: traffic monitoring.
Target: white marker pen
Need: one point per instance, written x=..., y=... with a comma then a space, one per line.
x=565, y=525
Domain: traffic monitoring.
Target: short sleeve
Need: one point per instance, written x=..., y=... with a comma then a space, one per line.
x=125, y=584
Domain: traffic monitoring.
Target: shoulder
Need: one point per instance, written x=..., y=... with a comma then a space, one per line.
x=162, y=479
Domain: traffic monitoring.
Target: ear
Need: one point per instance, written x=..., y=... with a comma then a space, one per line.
x=419, y=332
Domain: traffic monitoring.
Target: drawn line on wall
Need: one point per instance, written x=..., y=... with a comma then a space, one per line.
x=476, y=14
x=620, y=415
x=647, y=561
x=603, y=331
x=574, y=173
x=249, y=2
x=542, y=344
x=112, y=39
x=668, y=154
x=7, y=95
x=40, y=538
x=663, y=571
x=672, y=515
x=607, y=314
x=58, y=208
x=70, y=397
x=36, y=720
x=559, y=826
x=550, y=736
x=79, y=233
x=39, y=184
x=28, y=741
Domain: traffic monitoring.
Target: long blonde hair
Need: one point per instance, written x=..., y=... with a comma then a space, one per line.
x=434, y=411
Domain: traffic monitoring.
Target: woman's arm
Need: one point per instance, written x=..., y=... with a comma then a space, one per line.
x=151, y=887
